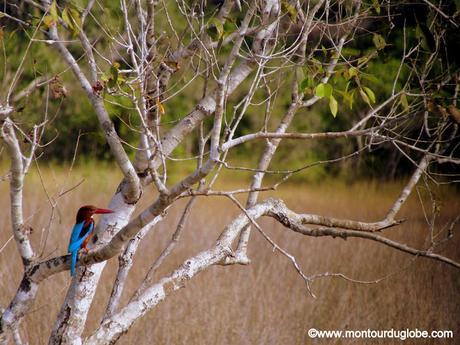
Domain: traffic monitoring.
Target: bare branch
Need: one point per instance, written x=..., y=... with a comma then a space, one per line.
x=20, y=231
x=114, y=327
x=125, y=262
x=132, y=192
x=36, y=83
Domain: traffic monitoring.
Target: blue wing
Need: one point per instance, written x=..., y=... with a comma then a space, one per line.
x=73, y=263
x=79, y=233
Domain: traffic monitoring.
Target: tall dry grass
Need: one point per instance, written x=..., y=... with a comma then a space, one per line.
x=265, y=302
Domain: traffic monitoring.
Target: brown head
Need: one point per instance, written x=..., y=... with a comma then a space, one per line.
x=85, y=213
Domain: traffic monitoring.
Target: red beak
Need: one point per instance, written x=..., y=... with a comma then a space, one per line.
x=102, y=211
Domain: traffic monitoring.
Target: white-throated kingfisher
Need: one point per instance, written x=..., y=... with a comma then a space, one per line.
x=82, y=231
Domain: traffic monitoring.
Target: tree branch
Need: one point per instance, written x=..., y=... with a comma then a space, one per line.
x=20, y=231
x=131, y=189
x=113, y=328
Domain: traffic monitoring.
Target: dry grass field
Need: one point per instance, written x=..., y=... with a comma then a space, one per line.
x=265, y=302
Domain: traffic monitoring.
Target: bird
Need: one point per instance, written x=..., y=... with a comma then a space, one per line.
x=82, y=231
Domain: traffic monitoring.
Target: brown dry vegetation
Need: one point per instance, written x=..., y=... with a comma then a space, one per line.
x=265, y=302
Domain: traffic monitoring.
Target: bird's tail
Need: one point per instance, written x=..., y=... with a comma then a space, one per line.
x=73, y=264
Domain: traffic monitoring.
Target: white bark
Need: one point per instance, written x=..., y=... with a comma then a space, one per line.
x=125, y=262
x=272, y=145
x=72, y=317
x=70, y=322
x=407, y=190
x=20, y=231
x=169, y=248
x=131, y=188
x=111, y=329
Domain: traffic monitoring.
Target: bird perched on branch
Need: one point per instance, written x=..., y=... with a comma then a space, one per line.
x=82, y=232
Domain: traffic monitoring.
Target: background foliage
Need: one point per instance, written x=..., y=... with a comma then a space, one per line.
x=375, y=59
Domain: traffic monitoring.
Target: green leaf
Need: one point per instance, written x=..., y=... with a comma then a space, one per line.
x=352, y=72
x=76, y=19
x=290, y=9
x=212, y=32
x=376, y=6
x=327, y=90
x=316, y=61
x=53, y=11
x=370, y=94
x=66, y=18
x=379, y=41
x=351, y=99
x=323, y=90
x=104, y=77
x=404, y=102
x=347, y=86
x=347, y=97
x=71, y=17
x=229, y=19
x=363, y=60
x=371, y=78
x=364, y=96
x=216, y=24
x=111, y=83
x=333, y=106
x=347, y=52
x=48, y=21
x=121, y=80
x=319, y=91
x=113, y=79
x=114, y=73
x=229, y=27
x=304, y=84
